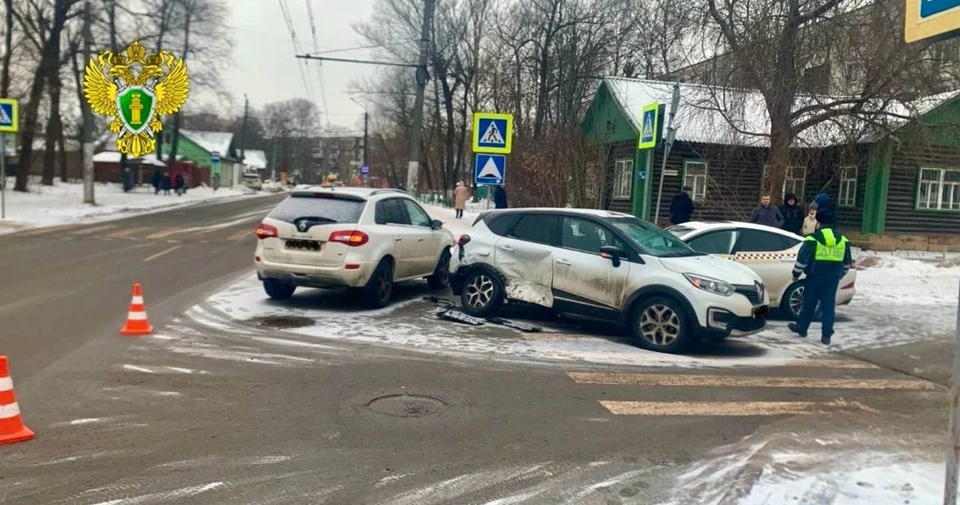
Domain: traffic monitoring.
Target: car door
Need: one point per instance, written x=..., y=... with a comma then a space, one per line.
x=581, y=277
x=525, y=257
x=428, y=240
x=394, y=223
x=720, y=243
x=769, y=254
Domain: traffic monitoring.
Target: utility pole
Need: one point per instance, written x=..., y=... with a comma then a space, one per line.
x=243, y=128
x=671, y=134
x=413, y=167
x=273, y=164
x=366, y=139
x=87, y=136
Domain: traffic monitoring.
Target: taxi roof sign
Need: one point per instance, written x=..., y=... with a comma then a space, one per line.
x=930, y=18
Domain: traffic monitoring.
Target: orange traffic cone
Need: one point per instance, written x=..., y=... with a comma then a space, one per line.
x=11, y=424
x=137, y=323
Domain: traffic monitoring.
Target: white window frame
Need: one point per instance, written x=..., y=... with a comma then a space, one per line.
x=938, y=188
x=848, y=187
x=623, y=179
x=698, y=182
x=787, y=178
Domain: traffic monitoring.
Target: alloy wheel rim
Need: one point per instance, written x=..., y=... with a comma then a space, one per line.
x=659, y=325
x=480, y=291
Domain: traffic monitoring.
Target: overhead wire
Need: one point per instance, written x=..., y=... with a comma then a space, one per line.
x=296, y=47
x=319, y=65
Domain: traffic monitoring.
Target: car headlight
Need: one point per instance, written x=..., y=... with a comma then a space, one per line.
x=709, y=284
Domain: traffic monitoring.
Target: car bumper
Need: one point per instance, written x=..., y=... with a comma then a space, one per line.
x=726, y=323
x=314, y=276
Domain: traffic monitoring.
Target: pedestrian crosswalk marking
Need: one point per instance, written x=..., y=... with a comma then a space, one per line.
x=86, y=231
x=740, y=409
x=741, y=381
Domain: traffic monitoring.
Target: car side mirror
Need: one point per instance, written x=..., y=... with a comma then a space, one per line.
x=612, y=253
x=436, y=224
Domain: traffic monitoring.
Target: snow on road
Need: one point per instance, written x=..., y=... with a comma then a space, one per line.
x=62, y=203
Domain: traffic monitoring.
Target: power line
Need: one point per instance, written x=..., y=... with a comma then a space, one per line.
x=319, y=66
x=296, y=47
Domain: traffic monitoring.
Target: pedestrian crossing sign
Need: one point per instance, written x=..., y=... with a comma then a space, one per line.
x=648, y=126
x=492, y=133
x=9, y=119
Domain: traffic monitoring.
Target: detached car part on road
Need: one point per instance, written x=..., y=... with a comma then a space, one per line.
x=350, y=237
x=770, y=252
x=606, y=265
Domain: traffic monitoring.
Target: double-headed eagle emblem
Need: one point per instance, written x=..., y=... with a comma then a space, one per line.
x=135, y=89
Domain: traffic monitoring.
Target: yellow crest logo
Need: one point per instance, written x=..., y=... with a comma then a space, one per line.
x=135, y=89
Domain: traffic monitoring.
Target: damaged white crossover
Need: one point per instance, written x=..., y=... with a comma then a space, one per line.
x=606, y=265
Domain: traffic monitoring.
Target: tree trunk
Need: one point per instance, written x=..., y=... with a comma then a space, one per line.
x=62, y=141
x=54, y=127
x=49, y=63
x=8, y=48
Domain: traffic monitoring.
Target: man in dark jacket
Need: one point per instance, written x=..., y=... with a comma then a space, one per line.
x=499, y=197
x=792, y=214
x=825, y=258
x=767, y=214
x=681, y=207
x=127, y=180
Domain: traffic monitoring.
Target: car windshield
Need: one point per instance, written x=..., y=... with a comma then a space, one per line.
x=651, y=239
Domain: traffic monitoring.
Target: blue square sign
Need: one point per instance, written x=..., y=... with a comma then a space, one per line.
x=933, y=7
x=492, y=133
x=490, y=169
x=8, y=115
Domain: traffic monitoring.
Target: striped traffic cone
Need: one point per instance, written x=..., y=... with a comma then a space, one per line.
x=137, y=323
x=11, y=424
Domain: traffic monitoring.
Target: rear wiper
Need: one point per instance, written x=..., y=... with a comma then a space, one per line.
x=315, y=219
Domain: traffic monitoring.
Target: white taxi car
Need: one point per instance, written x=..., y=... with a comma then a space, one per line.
x=350, y=237
x=770, y=252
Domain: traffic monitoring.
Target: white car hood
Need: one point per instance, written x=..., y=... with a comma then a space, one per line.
x=711, y=266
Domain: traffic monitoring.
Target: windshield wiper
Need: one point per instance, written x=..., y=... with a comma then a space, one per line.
x=315, y=219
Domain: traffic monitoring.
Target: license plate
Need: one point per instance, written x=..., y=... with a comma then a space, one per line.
x=761, y=312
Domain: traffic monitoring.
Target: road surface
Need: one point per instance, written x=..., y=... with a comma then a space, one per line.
x=216, y=408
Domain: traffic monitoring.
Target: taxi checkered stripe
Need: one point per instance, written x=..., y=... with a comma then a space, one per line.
x=764, y=256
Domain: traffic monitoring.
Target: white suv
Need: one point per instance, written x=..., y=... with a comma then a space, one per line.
x=606, y=265
x=350, y=237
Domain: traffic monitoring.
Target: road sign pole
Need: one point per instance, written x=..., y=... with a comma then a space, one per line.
x=3, y=176
x=953, y=433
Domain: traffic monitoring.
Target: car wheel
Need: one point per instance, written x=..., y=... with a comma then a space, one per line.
x=482, y=293
x=661, y=324
x=792, y=302
x=278, y=290
x=441, y=275
x=379, y=288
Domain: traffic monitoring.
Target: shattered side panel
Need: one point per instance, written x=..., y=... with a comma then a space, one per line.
x=528, y=269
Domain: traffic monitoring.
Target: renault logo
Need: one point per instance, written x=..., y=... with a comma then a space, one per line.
x=302, y=226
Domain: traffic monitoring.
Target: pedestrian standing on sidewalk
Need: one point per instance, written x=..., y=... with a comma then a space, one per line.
x=810, y=222
x=681, y=207
x=499, y=197
x=767, y=214
x=825, y=258
x=460, y=199
x=165, y=183
x=178, y=181
x=792, y=214
x=127, y=180
x=157, y=180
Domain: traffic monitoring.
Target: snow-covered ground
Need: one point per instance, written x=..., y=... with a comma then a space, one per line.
x=62, y=203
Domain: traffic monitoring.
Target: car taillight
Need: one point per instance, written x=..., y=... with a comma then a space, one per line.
x=352, y=238
x=463, y=240
x=266, y=231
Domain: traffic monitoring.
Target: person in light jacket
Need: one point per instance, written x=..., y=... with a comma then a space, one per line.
x=810, y=222
x=767, y=214
x=460, y=199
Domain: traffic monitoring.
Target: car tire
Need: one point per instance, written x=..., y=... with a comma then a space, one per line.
x=278, y=290
x=482, y=294
x=379, y=288
x=441, y=274
x=792, y=301
x=661, y=324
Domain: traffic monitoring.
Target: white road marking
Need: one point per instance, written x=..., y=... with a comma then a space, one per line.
x=240, y=235
x=135, y=368
x=742, y=381
x=94, y=229
x=129, y=231
x=631, y=408
x=161, y=253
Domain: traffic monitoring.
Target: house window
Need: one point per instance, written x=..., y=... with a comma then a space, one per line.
x=695, y=176
x=794, y=180
x=938, y=189
x=622, y=179
x=848, y=187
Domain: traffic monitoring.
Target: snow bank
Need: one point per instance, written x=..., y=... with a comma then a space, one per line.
x=62, y=203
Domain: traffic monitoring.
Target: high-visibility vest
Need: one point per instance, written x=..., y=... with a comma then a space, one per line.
x=833, y=251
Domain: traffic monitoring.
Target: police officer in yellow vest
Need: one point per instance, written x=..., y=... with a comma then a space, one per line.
x=825, y=258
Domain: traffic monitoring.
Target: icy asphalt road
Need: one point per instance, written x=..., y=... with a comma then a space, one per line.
x=217, y=408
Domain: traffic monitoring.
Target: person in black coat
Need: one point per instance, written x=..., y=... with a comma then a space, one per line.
x=127, y=180
x=157, y=180
x=681, y=207
x=792, y=214
x=499, y=197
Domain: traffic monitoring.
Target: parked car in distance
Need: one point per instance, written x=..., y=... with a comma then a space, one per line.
x=251, y=181
x=606, y=265
x=350, y=237
x=770, y=252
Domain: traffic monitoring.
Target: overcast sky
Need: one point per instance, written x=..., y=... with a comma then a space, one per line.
x=264, y=64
